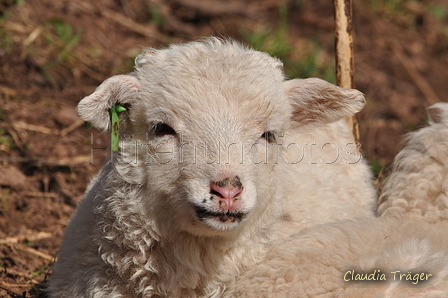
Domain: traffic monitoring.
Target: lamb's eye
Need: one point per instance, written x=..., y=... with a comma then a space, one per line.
x=269, y=136
x=162, y=129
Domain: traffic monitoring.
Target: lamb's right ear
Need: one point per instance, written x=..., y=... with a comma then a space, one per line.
x=120, y=89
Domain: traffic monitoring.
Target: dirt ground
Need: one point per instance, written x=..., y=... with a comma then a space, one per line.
x=53, y=53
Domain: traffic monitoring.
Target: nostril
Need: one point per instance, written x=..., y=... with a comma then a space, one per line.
x=226, y=188
x=225, y=193
x=216, y=193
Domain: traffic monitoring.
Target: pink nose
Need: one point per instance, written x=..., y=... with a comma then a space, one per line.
x=227, y=191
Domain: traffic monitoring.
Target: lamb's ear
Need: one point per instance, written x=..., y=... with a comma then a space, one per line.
x=316, y=102
x=438, y=113
x=120, y=89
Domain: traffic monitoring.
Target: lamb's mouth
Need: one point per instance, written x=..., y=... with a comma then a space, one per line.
x=223, y=217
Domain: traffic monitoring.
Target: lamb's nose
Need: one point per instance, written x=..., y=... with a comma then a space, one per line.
x=227, y=189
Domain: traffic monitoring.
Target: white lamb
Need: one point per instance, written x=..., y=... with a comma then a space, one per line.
x=403, y=253
x=418, y=187
x=220, y=157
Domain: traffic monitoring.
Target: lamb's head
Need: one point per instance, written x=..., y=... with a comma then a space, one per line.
x=207, y=118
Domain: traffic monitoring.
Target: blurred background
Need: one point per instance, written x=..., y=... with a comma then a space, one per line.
x=53, y=53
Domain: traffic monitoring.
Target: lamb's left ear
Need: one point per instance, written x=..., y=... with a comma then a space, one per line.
x=316, y=102
x=120, y=89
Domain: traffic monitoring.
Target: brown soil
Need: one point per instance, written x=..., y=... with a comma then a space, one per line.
x=52, y=53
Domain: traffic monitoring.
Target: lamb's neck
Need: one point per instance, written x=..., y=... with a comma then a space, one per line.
x=192, y=261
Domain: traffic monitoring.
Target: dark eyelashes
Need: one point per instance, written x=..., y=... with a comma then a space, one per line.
x=162, y=129
x=269, y=136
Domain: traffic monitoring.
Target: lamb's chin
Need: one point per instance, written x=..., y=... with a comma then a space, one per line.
x=217, y=228
x=222, y=222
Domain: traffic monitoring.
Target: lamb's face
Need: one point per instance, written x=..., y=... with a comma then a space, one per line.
x=212, y=138
x=208, y=170
x=205, y=119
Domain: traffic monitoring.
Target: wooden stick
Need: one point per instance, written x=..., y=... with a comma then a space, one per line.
x=345, y=66
x=344, y=43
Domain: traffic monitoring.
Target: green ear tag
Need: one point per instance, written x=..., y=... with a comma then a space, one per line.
x=115, y=125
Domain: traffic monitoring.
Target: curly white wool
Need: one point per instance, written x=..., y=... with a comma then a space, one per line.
x=150, y=224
